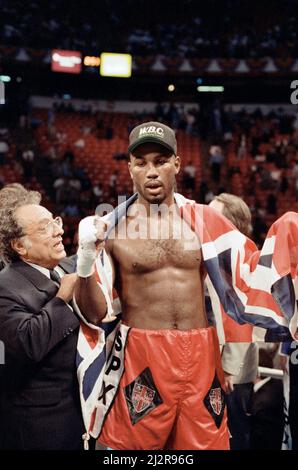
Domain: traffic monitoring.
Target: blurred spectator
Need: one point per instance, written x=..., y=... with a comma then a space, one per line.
x=71, y=210
x=271, y=204
x=97, y=190
x=239, y=359
x=120, y=156
x=209, y=196
x=80, y=143
x=190, y=122
x=109, y=133
x=28, y=162
x=4, y=149
x=68, y=156
x=203, y=189
x=189, y=174
x=216, y=161
x=113, y=184
x=57, y=185
x=242, y=150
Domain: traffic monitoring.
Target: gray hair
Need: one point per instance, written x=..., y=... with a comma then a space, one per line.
x=12, y=197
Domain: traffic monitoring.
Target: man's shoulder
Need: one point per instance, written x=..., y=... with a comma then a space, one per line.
x=7, y=270
x=10, y=277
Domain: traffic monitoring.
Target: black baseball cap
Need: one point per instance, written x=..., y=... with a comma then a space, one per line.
x=155, y=132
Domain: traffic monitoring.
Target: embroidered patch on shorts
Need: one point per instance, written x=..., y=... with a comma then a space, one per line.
x=141, y=396
x=215, y=401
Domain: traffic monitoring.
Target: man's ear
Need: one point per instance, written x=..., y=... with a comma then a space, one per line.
x=177, y=164
x=19, y=247
x=129, y=169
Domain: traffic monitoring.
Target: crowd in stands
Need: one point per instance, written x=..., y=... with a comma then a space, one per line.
x=228, y=29
x=78, y=159
x=261, y=155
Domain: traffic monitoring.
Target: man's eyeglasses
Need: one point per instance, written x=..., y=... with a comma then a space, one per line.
x=48, y=229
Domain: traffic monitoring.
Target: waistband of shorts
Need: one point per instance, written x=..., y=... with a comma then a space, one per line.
x=166, y=331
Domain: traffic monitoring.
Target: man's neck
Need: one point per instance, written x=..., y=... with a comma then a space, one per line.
x=151, y=207
x=37, y=265
x=41, y=269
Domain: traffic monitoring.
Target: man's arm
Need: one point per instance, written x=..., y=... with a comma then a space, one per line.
x=232, y=358
x=90, y=299
x=29, y=336
x=88, y=293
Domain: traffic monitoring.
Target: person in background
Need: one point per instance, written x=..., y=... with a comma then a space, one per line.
x=239, y=359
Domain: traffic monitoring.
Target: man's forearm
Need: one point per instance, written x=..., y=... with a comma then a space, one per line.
x=90, y=299
x=88, y=294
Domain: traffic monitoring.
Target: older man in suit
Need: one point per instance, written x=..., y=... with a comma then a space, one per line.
x=39, y=402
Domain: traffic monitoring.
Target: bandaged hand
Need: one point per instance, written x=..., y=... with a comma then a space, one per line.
x=92, y=232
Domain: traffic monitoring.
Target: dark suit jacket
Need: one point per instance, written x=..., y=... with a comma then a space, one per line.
x=39, y=407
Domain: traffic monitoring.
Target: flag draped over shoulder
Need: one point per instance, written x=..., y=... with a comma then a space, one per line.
x=100, y=357
x=250, y=286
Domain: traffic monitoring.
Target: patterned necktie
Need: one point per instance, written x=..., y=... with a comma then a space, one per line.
x=55, y=276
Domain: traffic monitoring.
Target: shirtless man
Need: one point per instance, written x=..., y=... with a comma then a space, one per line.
x=170, y=395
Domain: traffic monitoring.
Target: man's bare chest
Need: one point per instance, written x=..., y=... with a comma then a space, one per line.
x=141, y=256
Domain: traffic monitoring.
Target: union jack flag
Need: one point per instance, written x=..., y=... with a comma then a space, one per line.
x=255, y=287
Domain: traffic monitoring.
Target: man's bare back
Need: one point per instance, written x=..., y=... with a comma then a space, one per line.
x=158, y=280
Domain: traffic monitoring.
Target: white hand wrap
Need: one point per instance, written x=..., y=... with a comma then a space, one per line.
x=87, y=250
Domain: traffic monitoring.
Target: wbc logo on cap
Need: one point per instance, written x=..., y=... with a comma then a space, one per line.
x=152, y=130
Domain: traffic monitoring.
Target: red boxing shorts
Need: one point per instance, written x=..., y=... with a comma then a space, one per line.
x=171, y=394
